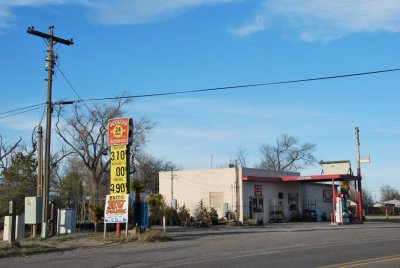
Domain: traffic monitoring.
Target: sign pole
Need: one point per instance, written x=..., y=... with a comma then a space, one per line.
x=119, y=132
x=118, y=230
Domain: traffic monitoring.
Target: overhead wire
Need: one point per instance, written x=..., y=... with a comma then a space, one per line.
x=72, y=87
x=24, y=108
x=41, y=118
x=245, y=85
x=352, y=18
x=14, y=114
x=214, y=89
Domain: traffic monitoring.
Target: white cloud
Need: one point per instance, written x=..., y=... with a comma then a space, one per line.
x=7, y=6
x=393, y=130
x=256, y=25
x=116, y=12
x=320, y=20
x=128, y=12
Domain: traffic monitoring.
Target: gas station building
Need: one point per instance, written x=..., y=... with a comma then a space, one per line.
x=264, y=195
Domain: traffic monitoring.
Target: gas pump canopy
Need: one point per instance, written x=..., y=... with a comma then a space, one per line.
x=313, y=178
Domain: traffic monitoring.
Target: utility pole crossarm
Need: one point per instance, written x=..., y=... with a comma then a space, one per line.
x=68, y=42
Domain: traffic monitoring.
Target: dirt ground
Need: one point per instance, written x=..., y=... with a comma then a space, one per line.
x=38, y=245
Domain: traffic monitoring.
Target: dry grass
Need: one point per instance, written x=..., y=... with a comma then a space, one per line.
x=30, y=246
x=392, y=218
x=149, y=235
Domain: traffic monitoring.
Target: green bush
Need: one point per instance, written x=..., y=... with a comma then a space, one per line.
x=156, y=208
x=296, y=217
x=213, y=216
x=96, y=212
x=184, y=216
x=203, y=218
x=171, y=216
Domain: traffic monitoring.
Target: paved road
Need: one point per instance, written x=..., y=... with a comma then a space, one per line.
x=276, y=245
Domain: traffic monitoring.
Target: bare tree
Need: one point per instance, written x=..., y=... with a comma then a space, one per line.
x=147, y=168
x=86, y=135
x=389, y=193
x=6, y=151
x=367, y=198
x=240, y=157
x=287, y=154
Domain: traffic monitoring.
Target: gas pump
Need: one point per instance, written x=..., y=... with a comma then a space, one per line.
x=342, y=215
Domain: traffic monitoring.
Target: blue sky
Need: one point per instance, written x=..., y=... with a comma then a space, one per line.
x=148, y=46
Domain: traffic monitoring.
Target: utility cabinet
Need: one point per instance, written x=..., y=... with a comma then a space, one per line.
x=19, y=227
x=66, y=220
x=33, y=210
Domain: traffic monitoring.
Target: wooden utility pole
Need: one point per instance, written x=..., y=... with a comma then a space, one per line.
x=39, y=190
x=172, y=187
x=51, y=41
x=237, y=191
x=359, y=189
x=358, y=152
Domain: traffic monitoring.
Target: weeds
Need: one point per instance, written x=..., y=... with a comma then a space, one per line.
x=30, y=246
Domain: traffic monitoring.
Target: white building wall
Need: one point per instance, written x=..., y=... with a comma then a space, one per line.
x=314, y=193
x=191, y=186
x=270, y=192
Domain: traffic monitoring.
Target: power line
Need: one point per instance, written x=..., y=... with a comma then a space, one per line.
x=72, y=87
x=244, y=86
x=24, y=108
x=215, y=88
x=14, y=114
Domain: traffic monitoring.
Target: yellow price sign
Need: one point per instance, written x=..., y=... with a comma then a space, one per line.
x=118, y=155
x=119, y=174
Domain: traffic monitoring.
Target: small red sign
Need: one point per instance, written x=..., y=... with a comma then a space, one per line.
x=118, y=131
x=257, y=190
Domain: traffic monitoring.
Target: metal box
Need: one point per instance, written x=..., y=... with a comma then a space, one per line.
x=19, y=227
x=66, y=220
x=33, y=210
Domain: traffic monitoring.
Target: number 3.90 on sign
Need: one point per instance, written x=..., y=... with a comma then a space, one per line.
x=116, y=188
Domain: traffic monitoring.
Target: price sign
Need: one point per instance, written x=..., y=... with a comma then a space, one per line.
x=119, y=173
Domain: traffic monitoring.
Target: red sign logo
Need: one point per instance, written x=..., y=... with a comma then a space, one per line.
x=118, y=131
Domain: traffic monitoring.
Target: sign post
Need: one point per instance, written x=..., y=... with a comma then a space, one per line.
x=119, y=132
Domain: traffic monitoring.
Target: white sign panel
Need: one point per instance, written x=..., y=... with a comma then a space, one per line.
x=116, y=209
x=365, y=159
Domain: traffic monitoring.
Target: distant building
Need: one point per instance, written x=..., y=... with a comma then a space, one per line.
x=391, y=207
x=262, y=195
